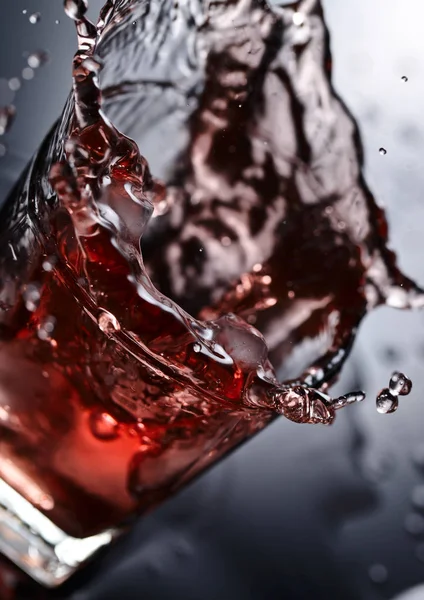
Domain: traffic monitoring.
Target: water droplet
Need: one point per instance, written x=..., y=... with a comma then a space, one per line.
x=378, y=573
x=414, y=524
x=75, y=9
x=404, y=78
x=36, y=59
x=7, y=114
x=27, y=73
x=298, y=19
x=386, y=402
x=108, y=323
x=383, y=151
x=418, y=457
x=34, y=18
x=400, y=384
x=197, y=347
x=103, y=426
x=24, y=12
x=417, y=497
x=14, y=84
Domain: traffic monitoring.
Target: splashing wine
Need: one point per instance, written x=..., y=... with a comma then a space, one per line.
x=146, y=310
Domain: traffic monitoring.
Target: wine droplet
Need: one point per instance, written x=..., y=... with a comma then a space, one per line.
x=400, y=384
x=103, y=426
x=386, y=402
x=75, y=9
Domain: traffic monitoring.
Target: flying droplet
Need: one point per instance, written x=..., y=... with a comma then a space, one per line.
x=197, y=347
x=27, y=73
x=414, y=524
x=24, y=12
x=14, y=84
x=378, y=573
x=108, y=323
x=103, y=426
x=400, y=384
x=383, y=151
x=7, y=114
x=417, y=497
x=75, y=9
x=34, y=18
x=404, y=78
x=386, y=402
x=36, y=59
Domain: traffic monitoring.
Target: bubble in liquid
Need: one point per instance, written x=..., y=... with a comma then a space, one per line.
x=386, y=402
x=103, y=426
x=400, y=384
x=383, y=151
x=417, y=497
x=404, y=78
x=378, y=573
x=34, y=18
x=75, y=9
x=414, y=524
x=7, y=114
x=108, y=323
x=36, y=59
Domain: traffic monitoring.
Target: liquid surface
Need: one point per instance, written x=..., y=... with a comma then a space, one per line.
x=257, y=228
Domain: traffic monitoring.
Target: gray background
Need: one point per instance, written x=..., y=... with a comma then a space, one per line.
x=298, y=512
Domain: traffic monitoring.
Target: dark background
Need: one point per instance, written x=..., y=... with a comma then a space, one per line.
x=298, y=512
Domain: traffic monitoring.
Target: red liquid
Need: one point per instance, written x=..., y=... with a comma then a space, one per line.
x=112, y=396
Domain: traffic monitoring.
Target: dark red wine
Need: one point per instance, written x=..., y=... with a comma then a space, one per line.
x=147, y=319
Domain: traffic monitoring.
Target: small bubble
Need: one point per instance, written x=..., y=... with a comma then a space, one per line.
x=417, y=497
x=414, y=524
x=108, y=323
x=103, y=426
x=404, y=78
x=14, y=84
x=27, y=73
x=75, y=9
x=34, y=18
x=378, y=573
x=7, y=115
x=383, y=151
x=386, y=402
x=197, y=347
x=400, y=384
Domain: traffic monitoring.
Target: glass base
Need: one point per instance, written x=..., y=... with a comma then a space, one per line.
x=36, y=545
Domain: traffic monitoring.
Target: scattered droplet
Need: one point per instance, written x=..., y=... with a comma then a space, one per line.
x=108, y=323
x=57, y=22
x=417, y=497
x=7, y=114
x=36, y=59
x=386, y=402
x=24, y=12
x=197, y=347
x=103, y=426
x=414, y=524
x=400, y=384
x=14, y=84
x=378, y=573
x=34, y=18
x=418, y=457
x=75, y=9
x=383, y=151
x=27, y=73
x=404, y=78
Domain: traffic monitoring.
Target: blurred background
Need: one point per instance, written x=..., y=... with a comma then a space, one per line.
x=298, y=512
